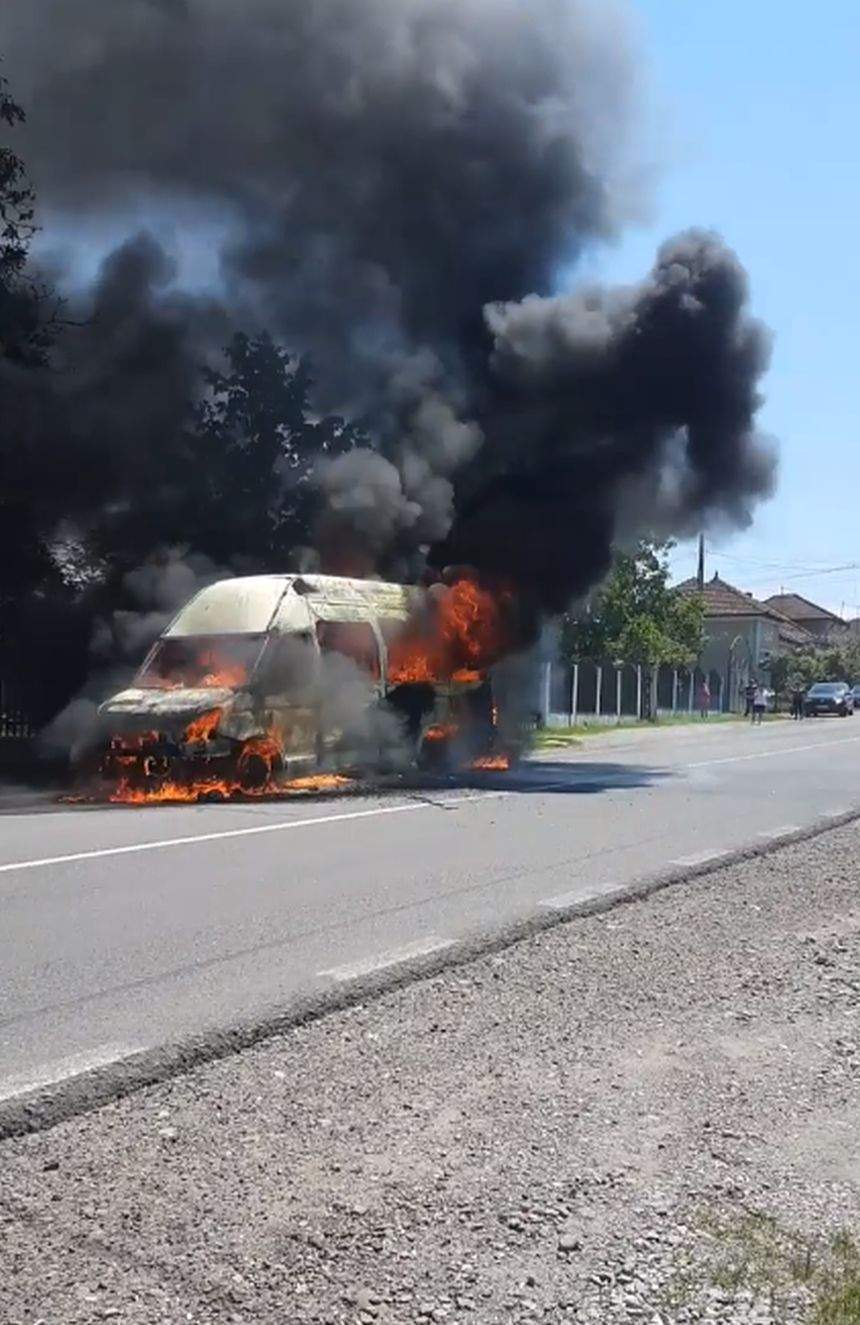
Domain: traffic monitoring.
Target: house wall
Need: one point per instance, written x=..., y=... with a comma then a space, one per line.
x=734, y=647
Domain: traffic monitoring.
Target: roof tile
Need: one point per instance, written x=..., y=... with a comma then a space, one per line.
x=722, y=599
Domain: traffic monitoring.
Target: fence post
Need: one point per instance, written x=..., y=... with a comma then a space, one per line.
x=574, y=695
x=674, y=690
x=692, y=688
x=547, y=692
x=617, y=693
x=599, y=691
x=639, y=692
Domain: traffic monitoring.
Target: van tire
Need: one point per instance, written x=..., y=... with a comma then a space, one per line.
x=435, y=757
x=254, y=771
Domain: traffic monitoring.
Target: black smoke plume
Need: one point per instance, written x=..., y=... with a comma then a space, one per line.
x=615, y=413
x=397, y=188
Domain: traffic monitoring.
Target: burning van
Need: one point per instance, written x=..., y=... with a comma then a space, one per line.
x=271, y=677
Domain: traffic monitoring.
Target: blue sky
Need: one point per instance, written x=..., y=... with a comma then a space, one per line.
x=759, y=106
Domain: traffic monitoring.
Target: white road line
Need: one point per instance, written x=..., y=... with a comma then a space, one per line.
x=835, y=814
x=566, y=900
x=371, y=965
x=283, y=827
x=703, y=858
x=52, y=1074
x=452, y=802
x=782, y=831
x=770, y=754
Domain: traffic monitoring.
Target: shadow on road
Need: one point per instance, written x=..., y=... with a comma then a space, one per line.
x=582, y=778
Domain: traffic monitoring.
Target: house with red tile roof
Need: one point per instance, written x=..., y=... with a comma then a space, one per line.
x=825, y=626
x=742, y=635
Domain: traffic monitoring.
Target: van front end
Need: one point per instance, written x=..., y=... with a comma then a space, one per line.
x=184, y=744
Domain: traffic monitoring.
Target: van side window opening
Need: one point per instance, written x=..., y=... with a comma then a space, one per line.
x=351, y=639
x=289, y=667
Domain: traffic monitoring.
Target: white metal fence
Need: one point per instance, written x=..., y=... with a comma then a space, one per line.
x=15, y=722
x=608, y=692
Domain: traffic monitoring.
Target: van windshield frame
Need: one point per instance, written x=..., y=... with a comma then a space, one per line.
x=201, y=662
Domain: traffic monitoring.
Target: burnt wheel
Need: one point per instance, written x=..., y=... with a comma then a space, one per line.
x=255, y=770
x=260, y=760
x=436, y=756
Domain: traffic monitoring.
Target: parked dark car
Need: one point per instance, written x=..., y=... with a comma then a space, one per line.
x=829, y=697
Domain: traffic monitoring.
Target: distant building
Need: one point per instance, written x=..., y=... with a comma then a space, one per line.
x=825, y=627
x=742, y=635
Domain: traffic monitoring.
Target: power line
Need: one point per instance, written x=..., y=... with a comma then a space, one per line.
x=804, y=568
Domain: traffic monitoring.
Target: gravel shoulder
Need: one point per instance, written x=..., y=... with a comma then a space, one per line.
x=649, y=1114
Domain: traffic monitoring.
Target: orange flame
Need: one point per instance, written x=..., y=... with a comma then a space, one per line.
x=267, y=747
x=169, y=793
x=462, y=636
x=216, y=788
x=318, y=782
x=225, y=675
x=441, y=732
x=492, y=763
x=203, y=728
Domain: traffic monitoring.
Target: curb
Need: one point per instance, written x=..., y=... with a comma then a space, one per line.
x=43, y=1108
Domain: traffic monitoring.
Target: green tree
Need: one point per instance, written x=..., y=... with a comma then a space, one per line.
x=259, y=441
x=803, y=667
x=635, y=615
x=239, y=487
x=25, y=336
x=27, y=311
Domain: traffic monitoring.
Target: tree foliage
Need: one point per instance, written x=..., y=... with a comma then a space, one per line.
x=27, y=312
x=24, y=338
x=258, y=443
x=803, y=667
x=17, y=200
x=635, y=616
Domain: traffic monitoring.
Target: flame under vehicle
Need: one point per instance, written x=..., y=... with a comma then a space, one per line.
x=272, y=676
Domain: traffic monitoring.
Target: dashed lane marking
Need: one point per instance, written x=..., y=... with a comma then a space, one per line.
x=52, y=1074
x=771, y=754
x=702, y=858
x=384, y=960
x=564, y=901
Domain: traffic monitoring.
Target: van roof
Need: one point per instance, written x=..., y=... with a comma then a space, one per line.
x=253, y=604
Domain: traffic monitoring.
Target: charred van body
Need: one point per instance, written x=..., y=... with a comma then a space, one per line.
x=289, y=674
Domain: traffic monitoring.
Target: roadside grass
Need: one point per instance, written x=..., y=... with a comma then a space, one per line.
x=751, y=1257
x=553, y=738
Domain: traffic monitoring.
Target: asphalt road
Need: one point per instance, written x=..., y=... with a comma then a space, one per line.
x=123, y=929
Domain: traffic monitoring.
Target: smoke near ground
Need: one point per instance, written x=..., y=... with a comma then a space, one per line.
x=394, y=187
x=120, y=640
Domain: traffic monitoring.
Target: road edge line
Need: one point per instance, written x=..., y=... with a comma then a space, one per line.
x=41, y=1109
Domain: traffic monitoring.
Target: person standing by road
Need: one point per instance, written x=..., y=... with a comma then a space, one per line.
x=797, y=698
x=749, y=696
x=759, y=704
x=704, y=698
